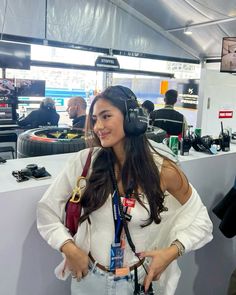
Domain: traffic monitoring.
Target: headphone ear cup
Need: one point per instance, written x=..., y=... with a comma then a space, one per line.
x=135, y=122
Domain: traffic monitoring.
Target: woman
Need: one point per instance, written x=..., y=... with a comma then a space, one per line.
x=164, y=213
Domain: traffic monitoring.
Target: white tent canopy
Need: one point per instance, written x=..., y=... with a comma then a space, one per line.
x=142, y=26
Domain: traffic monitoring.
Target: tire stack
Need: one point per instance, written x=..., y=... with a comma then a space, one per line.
x=41, y=142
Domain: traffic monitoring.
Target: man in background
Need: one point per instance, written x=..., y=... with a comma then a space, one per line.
x=167, y=118
x=76, y=109
x=46, y=115
x=148, y=106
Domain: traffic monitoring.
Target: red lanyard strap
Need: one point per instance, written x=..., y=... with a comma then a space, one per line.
x=87, y=163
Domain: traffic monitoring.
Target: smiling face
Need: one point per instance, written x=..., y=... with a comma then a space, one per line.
x=108, y=124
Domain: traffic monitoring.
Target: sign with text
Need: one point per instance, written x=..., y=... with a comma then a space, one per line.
x=225, y=114
x=107, y=62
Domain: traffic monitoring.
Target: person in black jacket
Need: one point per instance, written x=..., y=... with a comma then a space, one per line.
x=168, y=119
x=148, y=106
x=46, y=115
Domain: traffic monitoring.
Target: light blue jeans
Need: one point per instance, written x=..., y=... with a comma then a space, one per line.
x=99, y=282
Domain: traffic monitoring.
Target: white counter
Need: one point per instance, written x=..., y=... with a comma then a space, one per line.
x=52, y=163
x=207, y=271
x=27, y=262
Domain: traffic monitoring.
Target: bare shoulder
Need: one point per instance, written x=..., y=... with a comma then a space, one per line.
x=175, y=182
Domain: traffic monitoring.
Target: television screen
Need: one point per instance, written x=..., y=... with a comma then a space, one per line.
x=228, y=55
x=5, y=113
x=14, y=55
x=188, y=92
x=26, y=87
x=7, y=87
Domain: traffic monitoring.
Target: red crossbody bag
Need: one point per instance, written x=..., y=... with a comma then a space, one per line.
x=73, y=206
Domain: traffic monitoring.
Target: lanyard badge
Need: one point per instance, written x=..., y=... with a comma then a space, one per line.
x=129, y=202
x=116, y=256
x=117, y=248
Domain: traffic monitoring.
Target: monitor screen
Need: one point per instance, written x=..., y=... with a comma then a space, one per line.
x=28, y=88
x=14, y=55
x=5, y=113
x=228, y=55
x=7, y=87
x=190, y=88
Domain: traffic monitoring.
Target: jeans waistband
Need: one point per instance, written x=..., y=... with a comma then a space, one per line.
x=93, y=267
x=96, y=270
x=105, y=269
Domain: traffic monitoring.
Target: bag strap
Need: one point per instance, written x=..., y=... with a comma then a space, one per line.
x=73, y=206
x=87, y=163
x=76, y=193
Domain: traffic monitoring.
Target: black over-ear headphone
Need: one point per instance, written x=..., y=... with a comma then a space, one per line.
x=202, y=144
x=135, y=121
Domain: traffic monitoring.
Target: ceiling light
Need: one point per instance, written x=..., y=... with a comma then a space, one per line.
x=187, y=31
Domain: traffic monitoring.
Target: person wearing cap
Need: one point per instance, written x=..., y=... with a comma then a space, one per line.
x=76, y=109
x=167, y=118
x=139, y=212
x=46, y=115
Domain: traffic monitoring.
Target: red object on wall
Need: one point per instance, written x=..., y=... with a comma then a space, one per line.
x=225, y=114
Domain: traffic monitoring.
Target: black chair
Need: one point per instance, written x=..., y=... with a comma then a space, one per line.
x=6, y=138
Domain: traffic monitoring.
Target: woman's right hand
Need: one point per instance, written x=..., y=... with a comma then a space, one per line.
x=76, y=260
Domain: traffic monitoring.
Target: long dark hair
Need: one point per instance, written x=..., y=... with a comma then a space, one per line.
x=139, y=167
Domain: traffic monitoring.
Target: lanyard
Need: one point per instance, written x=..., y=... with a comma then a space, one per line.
x=120, y=222
x=117, y=218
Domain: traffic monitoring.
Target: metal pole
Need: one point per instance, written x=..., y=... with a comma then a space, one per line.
x=3, y=73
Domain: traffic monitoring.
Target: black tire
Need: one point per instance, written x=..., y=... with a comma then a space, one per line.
x=41, y=142
x=156, y=134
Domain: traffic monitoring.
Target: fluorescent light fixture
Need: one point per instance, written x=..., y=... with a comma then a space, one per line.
x=187, y=31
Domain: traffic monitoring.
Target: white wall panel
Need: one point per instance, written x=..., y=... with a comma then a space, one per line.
x=23, y=17
x=217, y=93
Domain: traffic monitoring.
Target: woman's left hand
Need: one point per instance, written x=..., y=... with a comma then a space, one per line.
x=160, y=260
